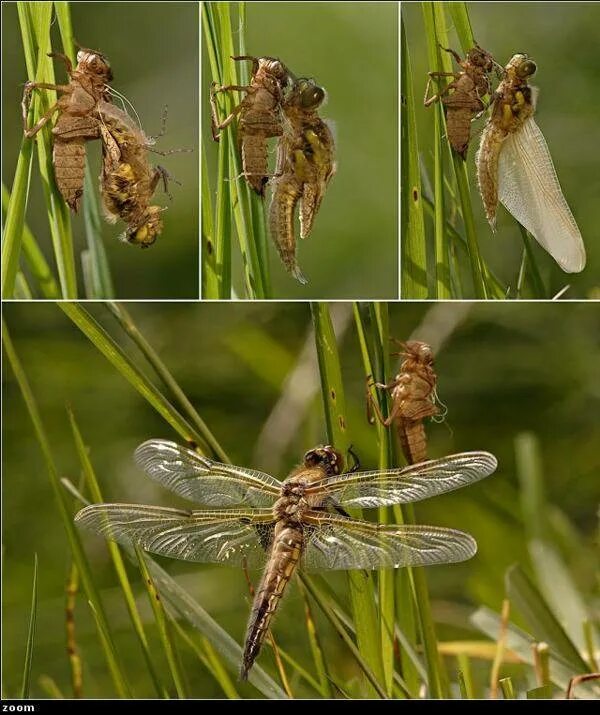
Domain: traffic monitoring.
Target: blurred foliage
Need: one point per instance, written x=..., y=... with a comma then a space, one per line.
x=503, y=370
x=153, y=50
x=563, y=39
x=351, y=50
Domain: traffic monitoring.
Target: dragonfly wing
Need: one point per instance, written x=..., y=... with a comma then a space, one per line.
x=231, y=537
x=201, y=480
x=528, y=187
x=397, y=486
x=337, y=542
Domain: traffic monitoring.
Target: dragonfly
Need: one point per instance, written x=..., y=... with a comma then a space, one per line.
x=514, y=167
x=255, y=520
x=305, y=166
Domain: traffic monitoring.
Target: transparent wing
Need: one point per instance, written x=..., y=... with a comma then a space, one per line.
x=337, y=542
x=201, y=480
x=528, y=187
x=397, y=486
x=205, y=536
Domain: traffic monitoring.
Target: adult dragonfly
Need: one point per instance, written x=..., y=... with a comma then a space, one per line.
x=281, y=525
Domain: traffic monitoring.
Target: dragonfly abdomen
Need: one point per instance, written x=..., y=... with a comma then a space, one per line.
x=413, y=440
x=287, y=546
x=69, y=170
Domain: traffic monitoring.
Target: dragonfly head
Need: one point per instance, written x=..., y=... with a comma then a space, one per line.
x=522, y=66
x=273, y=67
x=327, y=457
x=479, y=57
x=308, y=94
x=94, y=62
x=420, y=351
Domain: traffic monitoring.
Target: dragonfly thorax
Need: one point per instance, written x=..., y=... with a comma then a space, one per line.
x=292, y=504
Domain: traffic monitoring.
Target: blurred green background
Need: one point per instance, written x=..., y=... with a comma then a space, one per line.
x=153, y=51
x=563, y=39
x=351, y=50
x=503, y=369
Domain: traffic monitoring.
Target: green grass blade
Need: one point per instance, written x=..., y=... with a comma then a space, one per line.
x=413, y=264
x=508, y=691
x=117, y=672
x=194, y=614
x=544, y=626
x=126, y=322
x=533, y=272
x=210, y=660
x=100, y=283
x=119, y=566
x=552, y=574
x=30, y=633
x=373, y=332
x=32, y=255
x=162, y=625
x=35, y=21
x=115, y=355
x=323, y=686
x=462, y=24
x=210, y=272
x=465, y=677
x=22, y=290
x=329, y=612
x=442, y=288
x=362, y=589
x=14, y=226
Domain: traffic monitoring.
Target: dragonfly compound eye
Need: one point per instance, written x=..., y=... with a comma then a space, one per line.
x=312, y=97
x=527, y=68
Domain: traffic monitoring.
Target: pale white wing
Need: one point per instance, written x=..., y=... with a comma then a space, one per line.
x=229, y=537
x=201, y=480
x=397, y=486
x=341, y=543
x=529, y=189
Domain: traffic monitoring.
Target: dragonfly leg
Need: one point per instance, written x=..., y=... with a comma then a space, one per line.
x=216, y=126
x=428, y=101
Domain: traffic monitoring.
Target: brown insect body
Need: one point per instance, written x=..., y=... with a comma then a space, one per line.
x=462, y=98
x=287, y=545
x=128, y=182
x=413, y=399
x=513, y=105
x=75, y=124
x=260, y=116
x=305, y=165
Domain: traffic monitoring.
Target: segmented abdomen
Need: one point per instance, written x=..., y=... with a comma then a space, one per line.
x=413, y=440
x=69, y=169
x=287, y=546
x=286, y=194
x=487, y=169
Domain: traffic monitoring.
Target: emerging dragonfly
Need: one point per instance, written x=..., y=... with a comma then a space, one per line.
x=515, y=167
x=289, y=523
x=305, y=166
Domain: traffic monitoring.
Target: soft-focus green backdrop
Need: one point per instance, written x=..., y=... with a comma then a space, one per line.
x=503, y=368
x=153, y=51
x=351, y=50
x=563, y=39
